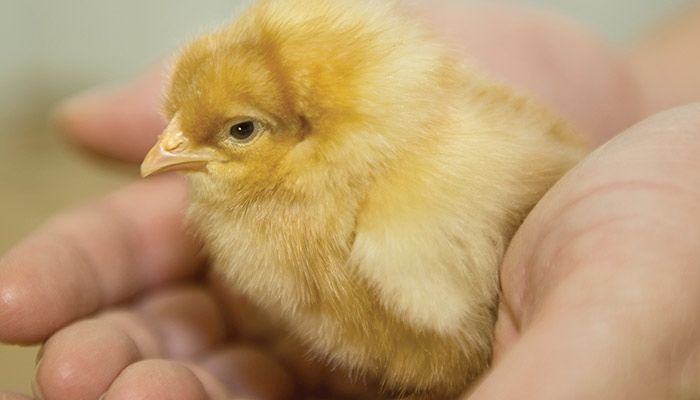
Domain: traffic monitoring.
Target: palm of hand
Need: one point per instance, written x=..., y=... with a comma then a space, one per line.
x=604, y=254
x=609, y=249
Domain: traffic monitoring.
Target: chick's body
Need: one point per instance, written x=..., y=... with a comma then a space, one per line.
x=372, y=206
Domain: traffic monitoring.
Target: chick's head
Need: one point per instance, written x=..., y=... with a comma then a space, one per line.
x=229, y=118
x=292, y=99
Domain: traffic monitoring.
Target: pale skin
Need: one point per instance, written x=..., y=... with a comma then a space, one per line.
x=601, y=285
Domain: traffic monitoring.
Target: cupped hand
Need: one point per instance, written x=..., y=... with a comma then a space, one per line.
x=117, y=291
x=601, y=285
x=597, y=285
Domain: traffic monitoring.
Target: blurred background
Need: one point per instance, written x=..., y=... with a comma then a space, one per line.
x=52, y=49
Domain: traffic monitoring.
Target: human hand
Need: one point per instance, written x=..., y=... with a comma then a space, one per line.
x=117, y=291
x=73, y=281
x=601, y=285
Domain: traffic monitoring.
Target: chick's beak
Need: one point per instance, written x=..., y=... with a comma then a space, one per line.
x=175, y=152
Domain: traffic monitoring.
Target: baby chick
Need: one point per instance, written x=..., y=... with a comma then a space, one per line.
x=351, y=176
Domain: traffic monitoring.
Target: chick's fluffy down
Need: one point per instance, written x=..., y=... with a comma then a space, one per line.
x=372, y=208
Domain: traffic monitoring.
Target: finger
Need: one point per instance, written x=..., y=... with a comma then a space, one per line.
x=120, y=123
x=251, y=373
x=69, y=367
x=182, y=322
x=547, y=56
x=188, y=321
x=666, y=63
x=214, y=388
x=98, y=255
x=162, y=379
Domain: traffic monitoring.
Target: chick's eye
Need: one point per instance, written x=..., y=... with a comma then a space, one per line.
x=244, y=131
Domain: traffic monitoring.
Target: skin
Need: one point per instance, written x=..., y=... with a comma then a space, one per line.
x=601, y=284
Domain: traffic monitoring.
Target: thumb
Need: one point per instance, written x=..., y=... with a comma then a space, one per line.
x=120, y=123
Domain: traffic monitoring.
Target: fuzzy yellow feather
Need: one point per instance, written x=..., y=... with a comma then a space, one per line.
x=350, y=175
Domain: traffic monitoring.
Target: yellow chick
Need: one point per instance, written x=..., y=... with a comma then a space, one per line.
x=350, y=175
